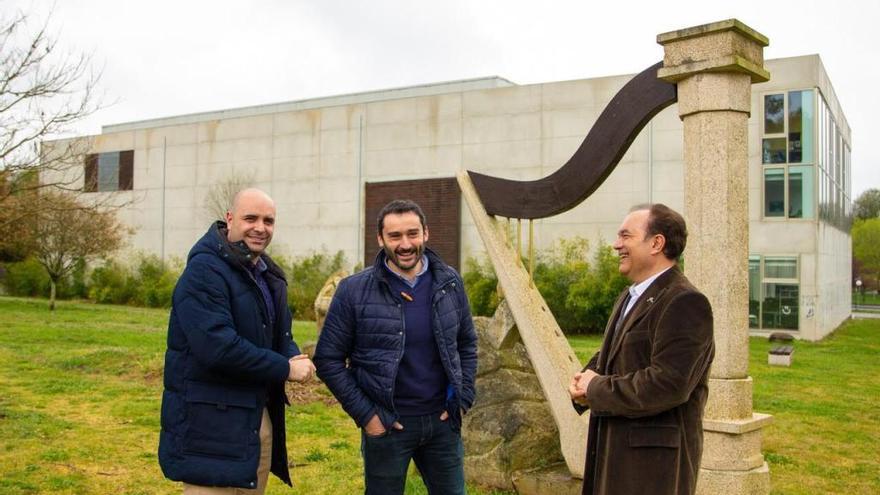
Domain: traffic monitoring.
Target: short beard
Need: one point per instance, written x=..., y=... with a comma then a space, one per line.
x=392, y=256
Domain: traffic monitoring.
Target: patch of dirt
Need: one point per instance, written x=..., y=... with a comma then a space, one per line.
x=312, y=391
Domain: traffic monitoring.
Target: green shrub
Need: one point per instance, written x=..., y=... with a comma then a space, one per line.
x=144, y=281
x=557, y=270
x=155, y=281
x=26, y=278
x=481, y=285
x=579, y=290
x=76, y=286
x=110, y=284
x=306, y=276
x=592, y=297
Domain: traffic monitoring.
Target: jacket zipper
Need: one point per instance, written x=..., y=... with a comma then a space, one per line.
x=263, y=309
x=447, y=365
x=402, y=347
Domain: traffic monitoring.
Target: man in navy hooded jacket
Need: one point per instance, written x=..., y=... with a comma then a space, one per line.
x=399, y=352
x=229, y=354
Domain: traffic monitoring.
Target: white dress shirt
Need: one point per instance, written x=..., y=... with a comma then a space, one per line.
x=636, y=290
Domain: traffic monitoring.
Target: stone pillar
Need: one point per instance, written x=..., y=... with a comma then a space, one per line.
x=714, y=66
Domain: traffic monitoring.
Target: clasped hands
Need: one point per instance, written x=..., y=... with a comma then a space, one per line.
x=301, y=368
x=577, y=389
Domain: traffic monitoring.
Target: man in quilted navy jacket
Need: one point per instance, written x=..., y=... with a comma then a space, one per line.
x=229, y=353
x=399, y=352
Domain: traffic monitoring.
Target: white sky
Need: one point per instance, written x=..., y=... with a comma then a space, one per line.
x=163, y=58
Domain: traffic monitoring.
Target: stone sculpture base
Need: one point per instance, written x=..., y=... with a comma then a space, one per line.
x=510, y=433
x=554, y=480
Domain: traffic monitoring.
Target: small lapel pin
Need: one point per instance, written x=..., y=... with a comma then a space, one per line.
x=650, y=300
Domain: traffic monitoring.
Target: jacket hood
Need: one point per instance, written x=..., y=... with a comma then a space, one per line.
x=215, y=243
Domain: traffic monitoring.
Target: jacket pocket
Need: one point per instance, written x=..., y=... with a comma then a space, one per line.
x=655, y=436
x=219, y=420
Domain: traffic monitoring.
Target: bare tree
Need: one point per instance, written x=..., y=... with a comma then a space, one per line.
x=219, y=197
x=43, y=92
x=68, y=232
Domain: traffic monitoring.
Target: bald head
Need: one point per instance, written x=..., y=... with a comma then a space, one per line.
x=251, y=219
x=249, y=195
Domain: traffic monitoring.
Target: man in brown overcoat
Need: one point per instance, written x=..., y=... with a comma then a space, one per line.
x=646, y=387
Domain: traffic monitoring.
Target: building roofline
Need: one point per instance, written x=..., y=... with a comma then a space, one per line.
x=429, y=89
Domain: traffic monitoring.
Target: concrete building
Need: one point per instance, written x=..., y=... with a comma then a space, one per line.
x=328, y=161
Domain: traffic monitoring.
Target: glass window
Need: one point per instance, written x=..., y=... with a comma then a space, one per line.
x=774, y=114
x=800, y=191
x=794, y=127
x=774, y=150
x=108, y=171
x=780, y=267
x=774, y=292
x=780, y=306
x=807, y=119
x=774, y=192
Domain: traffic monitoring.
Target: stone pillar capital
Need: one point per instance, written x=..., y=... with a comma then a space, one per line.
x=724, y=46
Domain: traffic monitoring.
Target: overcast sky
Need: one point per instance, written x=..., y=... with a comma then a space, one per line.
x=163, y=58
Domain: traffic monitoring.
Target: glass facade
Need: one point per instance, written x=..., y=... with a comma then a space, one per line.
x=774, y=292
x=834, y=171
x=788, y=139
x=806, y=160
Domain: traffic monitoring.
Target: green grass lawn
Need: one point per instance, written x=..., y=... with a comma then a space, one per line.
x=80, y=390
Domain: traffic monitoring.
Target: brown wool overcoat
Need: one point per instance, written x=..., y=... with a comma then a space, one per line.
x=646, y=432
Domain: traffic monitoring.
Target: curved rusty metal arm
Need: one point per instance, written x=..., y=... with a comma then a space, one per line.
x=628, y=112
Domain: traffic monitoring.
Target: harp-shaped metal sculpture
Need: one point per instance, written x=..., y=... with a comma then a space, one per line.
x=618, y=125
x=490, y=197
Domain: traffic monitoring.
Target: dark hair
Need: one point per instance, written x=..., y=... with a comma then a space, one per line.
x=399, y=207
x=663, y=220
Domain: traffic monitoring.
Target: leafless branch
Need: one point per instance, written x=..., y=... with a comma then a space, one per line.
x=44, y=90
x=220, y=195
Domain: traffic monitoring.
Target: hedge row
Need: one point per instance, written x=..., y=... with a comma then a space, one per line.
x=579, y=287
x=144, y=280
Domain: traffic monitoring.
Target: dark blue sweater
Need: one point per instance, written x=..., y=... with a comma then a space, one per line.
x=420, y=387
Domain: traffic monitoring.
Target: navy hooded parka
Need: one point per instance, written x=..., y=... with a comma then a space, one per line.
x=225, y=362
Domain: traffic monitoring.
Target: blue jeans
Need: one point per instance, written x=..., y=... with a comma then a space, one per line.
x=435, y=447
